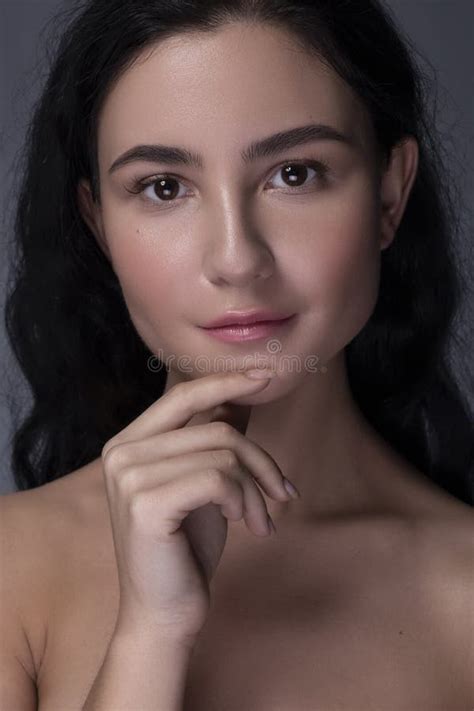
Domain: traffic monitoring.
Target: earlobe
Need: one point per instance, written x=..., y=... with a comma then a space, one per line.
x=396, y=185
x=90, y=213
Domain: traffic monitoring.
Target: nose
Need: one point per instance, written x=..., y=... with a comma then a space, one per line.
x=236, y=256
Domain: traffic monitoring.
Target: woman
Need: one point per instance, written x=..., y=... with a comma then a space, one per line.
x=191, y=161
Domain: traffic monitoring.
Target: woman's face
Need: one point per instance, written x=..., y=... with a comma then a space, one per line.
x=235, y=233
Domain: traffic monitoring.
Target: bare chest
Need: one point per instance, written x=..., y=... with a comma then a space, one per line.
x=281, y=636
x=367, y=650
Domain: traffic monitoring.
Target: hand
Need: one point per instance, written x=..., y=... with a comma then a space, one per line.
x=157, y=473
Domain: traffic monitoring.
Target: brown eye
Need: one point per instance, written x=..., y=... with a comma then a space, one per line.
x=295, y=175
x=298, y=175
x=166, y=188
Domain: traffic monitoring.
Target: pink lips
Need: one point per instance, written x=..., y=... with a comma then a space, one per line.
x=252, y=330
x=242, y=318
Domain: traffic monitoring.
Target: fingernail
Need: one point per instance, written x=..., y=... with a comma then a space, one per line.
x=271, y=524
x=260, y=374
x=292, y=490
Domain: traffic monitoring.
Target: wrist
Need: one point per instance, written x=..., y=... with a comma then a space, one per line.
x=153, y=635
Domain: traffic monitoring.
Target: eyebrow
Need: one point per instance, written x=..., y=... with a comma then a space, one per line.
x=263, y=148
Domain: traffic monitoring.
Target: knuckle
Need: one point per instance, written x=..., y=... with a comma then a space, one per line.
x=113, y=442
x=116, y=457
x=109, y=456
x=229, y=458
x=107, y=447
x=129, y=479
x=137, y=506
x=216, y=478
x=223, y=429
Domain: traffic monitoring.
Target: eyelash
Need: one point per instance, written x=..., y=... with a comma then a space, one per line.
x=140, y=185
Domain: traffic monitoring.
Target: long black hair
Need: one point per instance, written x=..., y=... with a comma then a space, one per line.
x=89, y=371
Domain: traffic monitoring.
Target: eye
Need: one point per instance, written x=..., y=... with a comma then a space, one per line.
x=296, y=174
x=163, y=187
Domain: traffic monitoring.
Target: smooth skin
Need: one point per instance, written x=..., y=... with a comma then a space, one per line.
x=239, y=236
x=366, y=552
x=236, y=236
x=157, y=472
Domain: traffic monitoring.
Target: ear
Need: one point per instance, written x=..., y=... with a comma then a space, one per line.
x=396, y=184
x=90, y=213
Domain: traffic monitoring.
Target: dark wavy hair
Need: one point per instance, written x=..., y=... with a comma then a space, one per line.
x=66, y=317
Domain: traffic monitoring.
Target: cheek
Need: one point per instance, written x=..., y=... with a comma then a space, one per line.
x=331, y=265
x=149, y=276
x=339, y=271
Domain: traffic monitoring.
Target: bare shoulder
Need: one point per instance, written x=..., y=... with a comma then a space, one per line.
x=445, y=528
x=39, y=520
x=438, y=542
x=40, y=530
x=449, y=529
x=446, y=553
x=24, y=590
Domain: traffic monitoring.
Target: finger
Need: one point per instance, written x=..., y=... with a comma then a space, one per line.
x=183, y=401
x=201, y=438
x=163, y=509
x=255, y=511
x=143, y=478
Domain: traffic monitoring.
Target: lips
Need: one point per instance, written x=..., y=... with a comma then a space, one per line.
x=236, y=318
x=255, y=331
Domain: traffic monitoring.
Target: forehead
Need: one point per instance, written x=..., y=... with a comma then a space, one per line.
x=220, y=89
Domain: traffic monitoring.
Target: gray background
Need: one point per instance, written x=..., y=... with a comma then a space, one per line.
x=440, y=29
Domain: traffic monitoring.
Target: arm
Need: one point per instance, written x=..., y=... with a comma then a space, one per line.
x=140, y=671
